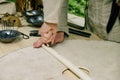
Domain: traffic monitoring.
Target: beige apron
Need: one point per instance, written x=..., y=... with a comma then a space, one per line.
x=98, y=16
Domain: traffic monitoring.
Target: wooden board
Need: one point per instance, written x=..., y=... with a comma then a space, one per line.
x=30, y=64
x=101, y=58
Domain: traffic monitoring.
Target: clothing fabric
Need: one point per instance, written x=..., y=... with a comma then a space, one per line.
x=97, y=19
x=55, y=11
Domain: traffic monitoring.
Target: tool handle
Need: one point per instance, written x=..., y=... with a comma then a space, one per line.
x=81, y=33
x=67, y=63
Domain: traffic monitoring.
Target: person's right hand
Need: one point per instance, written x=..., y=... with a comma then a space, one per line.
x=49, y=35
x=48, y=31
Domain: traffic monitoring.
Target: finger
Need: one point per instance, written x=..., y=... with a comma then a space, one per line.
x=48, y=34
x=44, y=28
x=53, y=40
x=59, y=38
x=38, y=43
x=50, y=41
x=56, y=38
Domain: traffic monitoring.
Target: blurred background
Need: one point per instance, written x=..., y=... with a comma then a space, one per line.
x=76, y=7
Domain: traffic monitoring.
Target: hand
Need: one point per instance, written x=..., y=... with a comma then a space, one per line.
x=48, y=32
x=49, y=35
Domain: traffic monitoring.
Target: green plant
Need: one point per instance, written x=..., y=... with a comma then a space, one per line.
x=77, y=7
x=11, y=0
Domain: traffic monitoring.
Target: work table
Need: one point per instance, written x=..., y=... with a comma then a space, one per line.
x=18, y=44
x=21, y=43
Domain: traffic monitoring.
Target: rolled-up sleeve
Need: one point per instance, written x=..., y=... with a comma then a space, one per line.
x=51, y=10
x=55, y=11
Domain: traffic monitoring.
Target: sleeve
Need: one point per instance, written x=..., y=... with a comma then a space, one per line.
x=51, y=10
x=55, y=11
